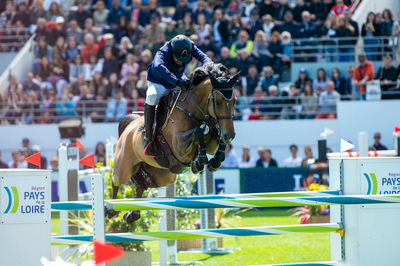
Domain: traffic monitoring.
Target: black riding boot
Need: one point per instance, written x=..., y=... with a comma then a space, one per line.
x=149, y=112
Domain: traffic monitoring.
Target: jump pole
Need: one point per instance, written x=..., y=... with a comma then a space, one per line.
x=167, y=248
x=98, y=208
x=206, y=233
x=68, y=188
x=110, y=149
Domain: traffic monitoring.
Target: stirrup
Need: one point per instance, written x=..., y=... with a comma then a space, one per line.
x=147, y=149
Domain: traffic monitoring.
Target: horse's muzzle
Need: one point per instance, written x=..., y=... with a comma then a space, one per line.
x=228, y=137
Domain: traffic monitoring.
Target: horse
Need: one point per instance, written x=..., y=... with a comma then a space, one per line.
x=189, y=125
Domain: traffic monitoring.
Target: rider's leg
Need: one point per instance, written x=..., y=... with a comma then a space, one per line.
x=153, y=96
x=149, y=112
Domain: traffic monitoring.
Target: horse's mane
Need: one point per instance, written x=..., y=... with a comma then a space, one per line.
x=202, y=72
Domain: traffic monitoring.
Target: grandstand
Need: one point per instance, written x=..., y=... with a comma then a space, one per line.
x=298, y=59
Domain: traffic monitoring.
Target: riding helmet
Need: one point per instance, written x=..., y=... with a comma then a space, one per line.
x=182, y=48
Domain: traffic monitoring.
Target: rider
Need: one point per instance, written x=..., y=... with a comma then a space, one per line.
x=165, y=73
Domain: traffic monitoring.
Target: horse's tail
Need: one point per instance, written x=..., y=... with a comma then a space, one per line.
x=125, y=121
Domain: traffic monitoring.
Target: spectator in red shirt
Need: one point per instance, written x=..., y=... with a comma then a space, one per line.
x=339, y=8
x=363, y=73
x=89, y=48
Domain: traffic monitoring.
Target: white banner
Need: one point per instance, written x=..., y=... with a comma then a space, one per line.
x=227, y=180
x=25, y=196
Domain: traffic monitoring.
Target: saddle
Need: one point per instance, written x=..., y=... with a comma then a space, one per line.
x=163, y=154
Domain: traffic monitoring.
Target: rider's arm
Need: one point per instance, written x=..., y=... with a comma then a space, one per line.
x=162, y=71
x=199, y=55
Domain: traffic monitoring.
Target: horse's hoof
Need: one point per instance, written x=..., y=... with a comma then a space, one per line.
x=211, y=169
x=109, y=212
x=196, y=168
x=203, y=159
x=220, y=156
x=132, y=216
x=213, y=165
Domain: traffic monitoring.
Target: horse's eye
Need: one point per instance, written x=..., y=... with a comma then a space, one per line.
x=218, y=103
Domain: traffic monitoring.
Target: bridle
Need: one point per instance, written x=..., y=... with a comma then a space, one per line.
x=214, y=104
x=214, y=122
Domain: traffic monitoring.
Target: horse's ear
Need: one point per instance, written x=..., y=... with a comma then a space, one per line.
x=214, y=81
x=233, y=79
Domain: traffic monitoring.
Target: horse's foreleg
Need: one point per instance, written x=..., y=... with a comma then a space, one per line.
x=202, y=160
x=219, y=157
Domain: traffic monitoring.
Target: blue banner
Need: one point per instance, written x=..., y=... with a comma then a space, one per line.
x=257, y=180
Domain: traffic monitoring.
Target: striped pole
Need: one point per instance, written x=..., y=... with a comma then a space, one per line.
x=250, y=195
x=71, y=205
x=248, y=202
x=190, y=203
x=321, y=263
x=86, y=205
x=205, y=233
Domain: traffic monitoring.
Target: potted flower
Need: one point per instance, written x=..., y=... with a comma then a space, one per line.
x=313, y=214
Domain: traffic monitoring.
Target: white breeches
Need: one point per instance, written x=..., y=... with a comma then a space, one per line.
x=154, y=93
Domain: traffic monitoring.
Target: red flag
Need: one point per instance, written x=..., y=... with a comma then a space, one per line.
x=396, y=129
x=88, y=161
x=105, y=252
x=78, y=144
x=34, y=159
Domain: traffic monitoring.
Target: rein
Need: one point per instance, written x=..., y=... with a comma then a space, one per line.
x=208, y=119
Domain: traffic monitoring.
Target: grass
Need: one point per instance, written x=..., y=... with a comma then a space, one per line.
x=257, y=249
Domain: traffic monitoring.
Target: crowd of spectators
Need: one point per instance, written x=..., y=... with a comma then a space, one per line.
x=265, y=159
x=91, y=56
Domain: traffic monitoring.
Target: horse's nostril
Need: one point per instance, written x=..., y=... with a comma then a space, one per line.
x=228, y=137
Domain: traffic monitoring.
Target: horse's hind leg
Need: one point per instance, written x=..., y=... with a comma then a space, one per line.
x=142, y=180
x=132, y=216
x=109, y=212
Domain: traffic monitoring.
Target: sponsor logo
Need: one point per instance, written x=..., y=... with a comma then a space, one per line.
x=184, y=53
x=389, y=184
x=13, y=199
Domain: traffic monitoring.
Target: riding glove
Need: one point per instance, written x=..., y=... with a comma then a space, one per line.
x=184, y=84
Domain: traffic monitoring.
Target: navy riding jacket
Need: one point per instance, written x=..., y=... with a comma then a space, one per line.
x=164, y=71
